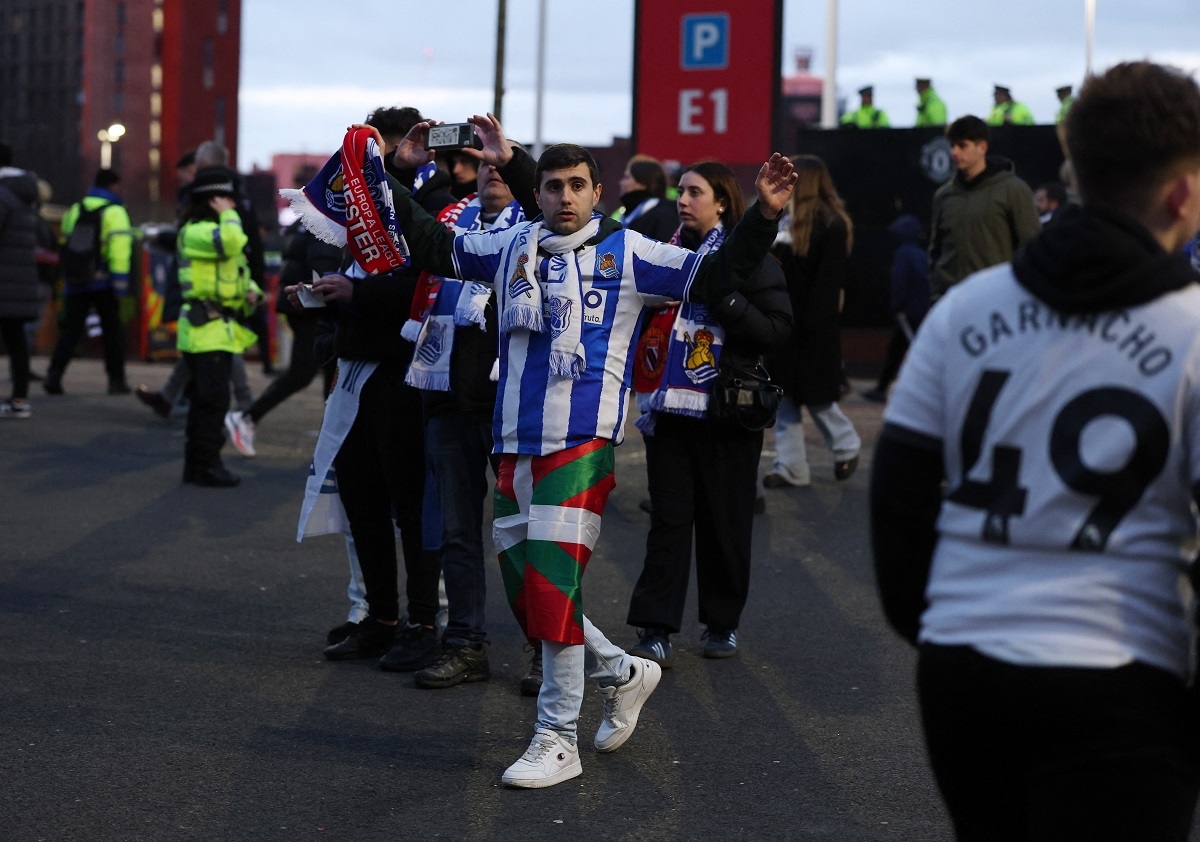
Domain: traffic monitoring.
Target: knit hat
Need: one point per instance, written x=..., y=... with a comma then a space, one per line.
x=213, y=181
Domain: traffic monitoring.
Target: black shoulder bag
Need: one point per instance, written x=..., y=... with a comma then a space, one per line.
x=744, y=397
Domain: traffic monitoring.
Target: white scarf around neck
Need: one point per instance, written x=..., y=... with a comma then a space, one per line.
x=523, y=294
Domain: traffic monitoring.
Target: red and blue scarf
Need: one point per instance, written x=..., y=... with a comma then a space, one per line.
x=349, y=203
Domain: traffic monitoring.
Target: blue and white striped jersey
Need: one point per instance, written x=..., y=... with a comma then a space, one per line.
x=537, y=412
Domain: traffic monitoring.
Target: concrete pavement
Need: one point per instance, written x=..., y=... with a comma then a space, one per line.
x=161, y=673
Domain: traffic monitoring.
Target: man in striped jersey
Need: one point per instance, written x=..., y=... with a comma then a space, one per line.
x=571, y=288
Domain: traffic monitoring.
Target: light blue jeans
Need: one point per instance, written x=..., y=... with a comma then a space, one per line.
x=565, y=669
x=791, y=456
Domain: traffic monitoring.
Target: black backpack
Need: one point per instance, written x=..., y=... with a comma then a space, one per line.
x=79, y=260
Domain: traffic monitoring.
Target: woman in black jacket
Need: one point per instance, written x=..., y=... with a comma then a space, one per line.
x=702, y=474
x=814, y=243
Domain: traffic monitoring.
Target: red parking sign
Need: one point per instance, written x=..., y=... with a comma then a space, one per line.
x=706, y=79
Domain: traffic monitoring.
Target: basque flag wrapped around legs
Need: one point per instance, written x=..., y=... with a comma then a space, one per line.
x=349, y=203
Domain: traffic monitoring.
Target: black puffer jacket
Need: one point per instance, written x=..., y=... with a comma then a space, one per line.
x=19, y=294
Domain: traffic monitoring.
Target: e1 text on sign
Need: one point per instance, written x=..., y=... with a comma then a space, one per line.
x=712, y=96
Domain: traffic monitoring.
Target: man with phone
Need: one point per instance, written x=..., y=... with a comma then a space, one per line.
x=571, y=287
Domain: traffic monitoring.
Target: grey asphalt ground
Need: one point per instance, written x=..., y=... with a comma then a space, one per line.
x=161, y=675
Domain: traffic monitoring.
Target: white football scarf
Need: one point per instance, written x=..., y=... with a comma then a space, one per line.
x=456, y=303
x=523, y=305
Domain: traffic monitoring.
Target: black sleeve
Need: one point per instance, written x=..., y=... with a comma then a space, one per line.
x=906, y=496
x=431, y=244
x=518, y=175
x=759, y=316
x=726, y=269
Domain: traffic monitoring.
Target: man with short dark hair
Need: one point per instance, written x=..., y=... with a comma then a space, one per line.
x=571, y=287
x=99, y=286
x=1033, y=497
x=982, y=214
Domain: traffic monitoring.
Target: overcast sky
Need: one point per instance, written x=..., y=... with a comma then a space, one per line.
x=310, y=67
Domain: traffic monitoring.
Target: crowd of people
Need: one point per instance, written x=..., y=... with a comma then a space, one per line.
x=482, y=324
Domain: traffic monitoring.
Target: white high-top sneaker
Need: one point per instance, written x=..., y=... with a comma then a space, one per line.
x=623, y=704
x=549, y=760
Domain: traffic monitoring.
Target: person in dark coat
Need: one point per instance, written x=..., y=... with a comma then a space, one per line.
x=20, y=299
x=645, y=207
x=910, y=299
x=703, y=474
x=813, y=246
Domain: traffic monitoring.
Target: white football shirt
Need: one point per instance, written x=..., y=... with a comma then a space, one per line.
x=1071, y=447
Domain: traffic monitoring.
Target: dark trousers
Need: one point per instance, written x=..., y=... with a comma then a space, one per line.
x=208, y=393
x=302, y=368
x=1056, y=754
x=12, y=331
x=381, y=476
x=459, y=447
x=703, y=478
x=75, y=311
x=896, y=349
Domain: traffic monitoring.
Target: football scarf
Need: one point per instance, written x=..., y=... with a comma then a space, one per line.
x=522, y=307
x=452, y=303
x=460, y=218
x=349, y=203
x=321, y=512
x=678, y=354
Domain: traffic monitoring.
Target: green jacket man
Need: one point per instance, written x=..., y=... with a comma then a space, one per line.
x=1007, y=110
x=931, y=111
x=866, y=116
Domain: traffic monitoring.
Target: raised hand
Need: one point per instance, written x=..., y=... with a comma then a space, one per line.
x=496, y=151
x=774, y=185
x=411, y=153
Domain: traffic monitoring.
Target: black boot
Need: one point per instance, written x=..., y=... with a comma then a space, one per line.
x=53, y=382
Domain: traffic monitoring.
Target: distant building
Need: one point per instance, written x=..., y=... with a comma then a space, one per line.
x=167, y=70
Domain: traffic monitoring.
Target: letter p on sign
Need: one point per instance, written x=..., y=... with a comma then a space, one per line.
x=705, y=42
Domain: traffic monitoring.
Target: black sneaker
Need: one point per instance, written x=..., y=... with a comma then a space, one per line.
x=719, y=644
x=459, y=663
x=415, y=647
x=339, y=633
x=370, y=639
x=531, y=684
x=654, y=645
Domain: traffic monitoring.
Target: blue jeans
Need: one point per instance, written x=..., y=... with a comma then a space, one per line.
x=459, y=444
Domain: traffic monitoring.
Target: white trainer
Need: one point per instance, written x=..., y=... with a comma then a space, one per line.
x=549, y=760
x=241, y=432
x=623, y=703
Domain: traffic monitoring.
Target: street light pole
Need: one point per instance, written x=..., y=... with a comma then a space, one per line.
x=107, y=138
x=829, y=115
x=1089, y=34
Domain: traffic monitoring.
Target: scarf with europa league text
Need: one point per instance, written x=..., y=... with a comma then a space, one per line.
x=349, y=203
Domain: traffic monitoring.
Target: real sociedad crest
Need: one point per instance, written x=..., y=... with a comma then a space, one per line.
x=560, y=315
x=608, y=266
x=430, y=350
x=519, y=284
